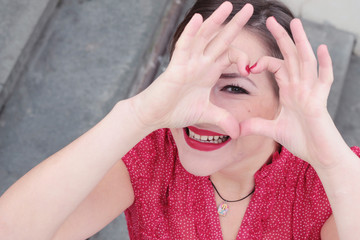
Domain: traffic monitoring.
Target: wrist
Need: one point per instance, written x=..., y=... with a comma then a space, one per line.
x=342, y=180
x=131, y=109
x=326, y=146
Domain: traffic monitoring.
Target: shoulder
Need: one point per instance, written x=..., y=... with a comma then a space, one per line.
x=310, y=205
x=287, y=170
x=157, y=144
x=356, y=150
x=302, y=177
x=153, y=155
x=292, y=181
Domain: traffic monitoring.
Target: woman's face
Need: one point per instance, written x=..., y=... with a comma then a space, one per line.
x=244, y=98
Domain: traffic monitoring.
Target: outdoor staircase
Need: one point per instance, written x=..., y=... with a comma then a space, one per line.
x=64, y=64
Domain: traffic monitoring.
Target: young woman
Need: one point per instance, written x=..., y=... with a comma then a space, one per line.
x=212, y=149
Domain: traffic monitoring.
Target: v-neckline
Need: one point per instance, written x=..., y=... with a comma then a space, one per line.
x=215, y=215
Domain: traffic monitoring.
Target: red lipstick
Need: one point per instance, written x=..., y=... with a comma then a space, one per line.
x=203, y=146
x=203, y=132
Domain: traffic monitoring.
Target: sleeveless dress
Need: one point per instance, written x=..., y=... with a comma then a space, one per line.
x=289, y=201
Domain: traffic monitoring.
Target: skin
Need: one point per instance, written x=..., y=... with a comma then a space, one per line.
x=186, y=94
x=233, y=166
x=244, y=154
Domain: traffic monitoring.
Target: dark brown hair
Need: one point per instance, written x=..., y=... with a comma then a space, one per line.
x=257, y=23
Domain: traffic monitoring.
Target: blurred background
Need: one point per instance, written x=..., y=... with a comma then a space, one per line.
x=65, y=63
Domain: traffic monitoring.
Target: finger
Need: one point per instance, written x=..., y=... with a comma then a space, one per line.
x=186, y=39
x=213, y=23
x=273, y=65
x=226, y=36
x=287, y=47
x=211, y=26
x=238, y=57
x=189, y=32
x=258, y=126
x=307, y=59
x=326, y=74
x=223, y=119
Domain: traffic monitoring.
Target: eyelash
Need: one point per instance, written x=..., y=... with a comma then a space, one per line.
x=235, y=89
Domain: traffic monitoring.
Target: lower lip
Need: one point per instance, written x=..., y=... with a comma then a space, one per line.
x=203, y=146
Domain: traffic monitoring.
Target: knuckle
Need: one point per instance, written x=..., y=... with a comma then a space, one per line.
x=281, y=35
x=225, y=41
x=311, y=59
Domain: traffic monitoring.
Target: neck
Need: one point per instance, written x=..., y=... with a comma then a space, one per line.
x=238, y=180
x=233, y=187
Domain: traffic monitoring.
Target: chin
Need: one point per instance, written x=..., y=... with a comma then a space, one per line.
x=198, y=163
x=196, y=167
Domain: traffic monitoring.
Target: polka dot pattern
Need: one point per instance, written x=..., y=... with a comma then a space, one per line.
x=289, y=201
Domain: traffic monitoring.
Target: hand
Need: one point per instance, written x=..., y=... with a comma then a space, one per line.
x=180, y=97
x=303, y=125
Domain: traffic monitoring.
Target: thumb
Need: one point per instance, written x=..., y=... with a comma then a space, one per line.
x=223, y=119
x=258, y=126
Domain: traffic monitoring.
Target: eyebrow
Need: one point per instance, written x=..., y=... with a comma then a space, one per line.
x=236, y=75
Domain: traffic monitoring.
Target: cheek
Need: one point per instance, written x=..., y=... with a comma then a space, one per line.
x=264, y=105
x=269, y=108
x=239, y=108
x=257, y=108
x=241, y=111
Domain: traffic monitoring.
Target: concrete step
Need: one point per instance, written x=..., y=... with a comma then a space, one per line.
x=21, y=23
x=88, y=58
x=348, y=115
x=341, y=45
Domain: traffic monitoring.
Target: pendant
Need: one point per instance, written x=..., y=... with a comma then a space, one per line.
x=223, y=209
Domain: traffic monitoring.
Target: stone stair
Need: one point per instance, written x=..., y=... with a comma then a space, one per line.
x=341, y=56
x=21, y=24
x=61, y=70
x=347, y=118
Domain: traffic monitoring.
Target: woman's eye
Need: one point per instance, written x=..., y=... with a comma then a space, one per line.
x=234, y=89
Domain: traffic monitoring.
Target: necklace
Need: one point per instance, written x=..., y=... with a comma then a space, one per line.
x=223, y=208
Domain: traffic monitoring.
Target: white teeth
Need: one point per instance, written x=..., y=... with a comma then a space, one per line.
x=207, y=139
x=204, y=138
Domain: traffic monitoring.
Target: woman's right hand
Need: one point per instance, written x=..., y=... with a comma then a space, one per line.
x=180, y=96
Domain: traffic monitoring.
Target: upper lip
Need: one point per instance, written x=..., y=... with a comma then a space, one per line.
x=203, y=132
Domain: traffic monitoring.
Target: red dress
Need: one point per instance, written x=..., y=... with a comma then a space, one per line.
x=289, y=201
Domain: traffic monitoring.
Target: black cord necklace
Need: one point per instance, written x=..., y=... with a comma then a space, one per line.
x=223, y=208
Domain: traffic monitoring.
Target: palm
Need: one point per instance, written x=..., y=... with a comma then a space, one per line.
x=303, y=120
x=181, y=95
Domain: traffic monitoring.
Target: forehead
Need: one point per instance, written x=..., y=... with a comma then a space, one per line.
x=251, y=44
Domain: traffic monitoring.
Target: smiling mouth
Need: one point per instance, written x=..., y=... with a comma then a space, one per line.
x=214, y=139
x=204, y=140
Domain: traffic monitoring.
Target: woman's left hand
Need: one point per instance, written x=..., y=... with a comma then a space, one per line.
x=303, y=124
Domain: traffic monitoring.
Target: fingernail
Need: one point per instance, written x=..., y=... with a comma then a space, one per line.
x=273, y=18
x=253, y=66
x=248, y=69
